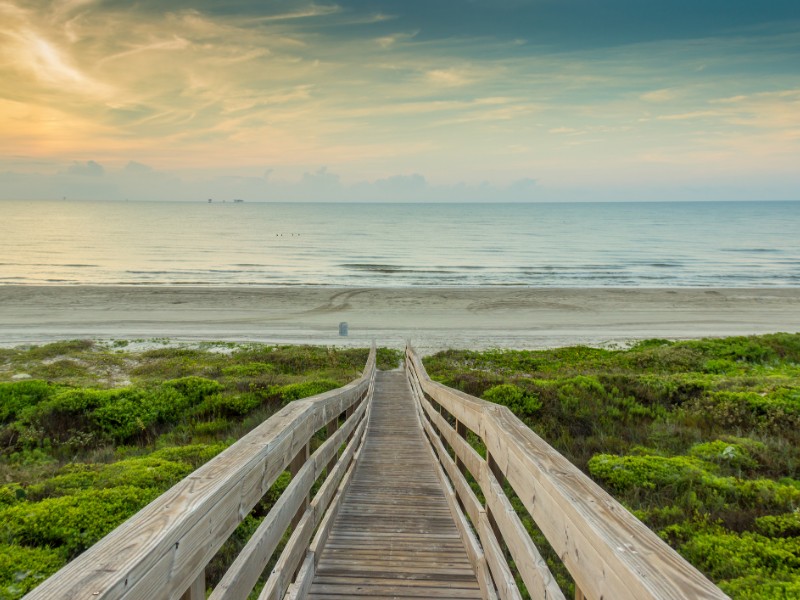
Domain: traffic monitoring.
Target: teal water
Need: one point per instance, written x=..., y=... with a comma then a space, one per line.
x=714, y=244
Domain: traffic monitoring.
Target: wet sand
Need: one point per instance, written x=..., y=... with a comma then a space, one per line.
x=432, y=318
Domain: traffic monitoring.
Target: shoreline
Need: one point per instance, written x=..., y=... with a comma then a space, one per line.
x=433, y=318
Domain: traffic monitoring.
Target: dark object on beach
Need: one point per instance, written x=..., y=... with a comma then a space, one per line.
x=343, y=328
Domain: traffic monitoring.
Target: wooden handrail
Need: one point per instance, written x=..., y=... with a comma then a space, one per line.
x=162, y=551
x=608, y=552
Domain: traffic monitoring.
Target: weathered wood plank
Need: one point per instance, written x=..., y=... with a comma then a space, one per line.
x=242, y=575
x=196, y=591
x=394, y=534
x=501, y=573
x=474, y=550
x=531, y=565
x=607, y=550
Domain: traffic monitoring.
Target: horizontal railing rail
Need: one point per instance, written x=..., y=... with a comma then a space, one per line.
x=163, y=550
x=607, y=551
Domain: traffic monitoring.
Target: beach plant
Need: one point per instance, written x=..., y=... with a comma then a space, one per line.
x=296, y=391
x=105, y=430
x=72, y=522
x=23, y=568
x=700, y=439
x=515, y=398
x=18, y=395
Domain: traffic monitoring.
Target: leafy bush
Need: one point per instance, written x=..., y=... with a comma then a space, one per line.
x=296, y=391
x=763, y=586
x=141, y=472
x=624, y=473
x=70, y=479
x=18, y=395
x=211, y=428
x=193, y=455
x=387, y=359
x=22, y=569
x=252, y=369
x=126, y=415
x=144, y=472
x=515, y=398
x=725, y=556
x=11, y=493
x=777, y=411
x=228, y=405
x=786, y=525
x=725, y=454
x=194, y=389
x=72, y=522
x=87, y=417
x=689, y=482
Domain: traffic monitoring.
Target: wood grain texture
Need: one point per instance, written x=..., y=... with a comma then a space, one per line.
x=469, y=537
x=609, y=552
x=394, y=535
x=242, y=575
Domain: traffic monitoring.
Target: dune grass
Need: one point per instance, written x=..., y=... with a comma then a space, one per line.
x=90, y=433
x=699, y=439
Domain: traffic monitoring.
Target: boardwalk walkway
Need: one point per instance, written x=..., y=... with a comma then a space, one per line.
x=394, y=536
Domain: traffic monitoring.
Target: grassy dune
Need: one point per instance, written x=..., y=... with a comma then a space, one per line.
x=90, y=433
x=700, y=439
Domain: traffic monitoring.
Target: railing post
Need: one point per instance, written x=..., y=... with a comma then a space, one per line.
x=501, y=479
x=196, y=591
x=294, y=468
x=461, y=430
x=331, y=428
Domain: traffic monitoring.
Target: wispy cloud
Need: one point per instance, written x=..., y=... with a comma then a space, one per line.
x=378, y=91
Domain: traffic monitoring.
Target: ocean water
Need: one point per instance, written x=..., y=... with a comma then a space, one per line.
x=735, y=244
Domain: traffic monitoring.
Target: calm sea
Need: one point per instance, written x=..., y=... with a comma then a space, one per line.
x=735, y=244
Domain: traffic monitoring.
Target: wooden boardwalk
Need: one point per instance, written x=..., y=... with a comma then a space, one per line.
x=394, y=536
x=388, y=520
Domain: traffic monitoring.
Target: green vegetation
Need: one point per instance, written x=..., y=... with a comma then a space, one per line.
x=90, y=433
x=700, y=439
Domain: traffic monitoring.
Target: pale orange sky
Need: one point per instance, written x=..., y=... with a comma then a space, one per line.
x=380, y=100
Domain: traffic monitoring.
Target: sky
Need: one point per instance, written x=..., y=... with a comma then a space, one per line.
x=390, y=100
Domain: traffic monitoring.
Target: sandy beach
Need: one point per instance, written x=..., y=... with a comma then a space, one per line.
x=432, y=318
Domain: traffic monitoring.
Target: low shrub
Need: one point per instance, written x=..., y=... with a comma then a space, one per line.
x=228, y=405
x=296, y=391
x=786, y=525
x=193, y=388
x=625, y=473
x=690, y=483
x=253, y=369
x=778, y=411
x=520, y=402
x=72, y=522
x=193, y=454
x=18, y=395
x=728, y=556
x=22, y=569
x=725, y=454
x=55, y=349
x=11, y=493
x=143, y=472
x=211, y=428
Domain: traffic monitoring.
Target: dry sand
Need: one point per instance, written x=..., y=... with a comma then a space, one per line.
x=432, y=318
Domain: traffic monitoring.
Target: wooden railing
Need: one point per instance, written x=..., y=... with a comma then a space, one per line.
x=163, y=550
x=607, y=551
